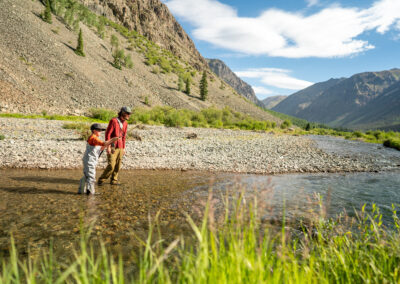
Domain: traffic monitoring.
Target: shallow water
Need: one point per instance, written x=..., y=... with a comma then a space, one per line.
x=387, y=158
x=37, y=206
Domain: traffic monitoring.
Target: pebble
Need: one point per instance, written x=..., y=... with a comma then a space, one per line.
x=51, y=147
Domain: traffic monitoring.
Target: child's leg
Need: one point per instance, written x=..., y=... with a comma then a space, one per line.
x=82, y=185
x=91, y=179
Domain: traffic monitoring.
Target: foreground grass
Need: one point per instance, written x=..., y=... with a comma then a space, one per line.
x=236, y=249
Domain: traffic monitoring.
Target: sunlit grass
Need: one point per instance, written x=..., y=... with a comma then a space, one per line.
x=235, y=247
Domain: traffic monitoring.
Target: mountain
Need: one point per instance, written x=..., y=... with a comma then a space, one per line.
x=271, y=102
x=362, y=101
x=297, y=102
x=152, y=19
x=39, y=70
x=226, y=74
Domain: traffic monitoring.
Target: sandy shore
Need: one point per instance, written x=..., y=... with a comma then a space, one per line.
x=44, y=144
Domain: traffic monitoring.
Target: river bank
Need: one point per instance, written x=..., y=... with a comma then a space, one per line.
x=44, y=144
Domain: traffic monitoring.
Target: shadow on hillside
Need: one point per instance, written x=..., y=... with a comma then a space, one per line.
x=70, y=47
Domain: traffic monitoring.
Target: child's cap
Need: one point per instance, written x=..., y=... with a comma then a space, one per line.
x=97, y=126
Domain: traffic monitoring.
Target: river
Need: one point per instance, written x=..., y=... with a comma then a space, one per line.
x=37, y=206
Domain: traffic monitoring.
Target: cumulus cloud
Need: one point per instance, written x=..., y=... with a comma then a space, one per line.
x=262, y=91
x=330, y=32
x=275, y=77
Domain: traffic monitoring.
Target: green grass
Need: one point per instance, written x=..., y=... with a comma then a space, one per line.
x=207, y=118
x=82, y=128
x=52, y=117
x=238, y=249
x=2, y=137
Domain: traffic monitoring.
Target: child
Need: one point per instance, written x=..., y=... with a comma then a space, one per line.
x=94, y=148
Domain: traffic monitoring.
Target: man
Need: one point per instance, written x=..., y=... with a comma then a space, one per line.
x=117, y=127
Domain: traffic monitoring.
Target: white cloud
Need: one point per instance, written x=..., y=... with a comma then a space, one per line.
x=331, y=32
x=262, y=91
x=278, y=78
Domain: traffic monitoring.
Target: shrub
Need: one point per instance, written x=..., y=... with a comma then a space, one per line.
x=146, y=101
x=187, y=89
x=358, y=134
x=155, y=70
x=286, y=124
x=102, y=114
x=114, y=42
x=79, y=48
x=118, y=56
x=2, y=137
x=165, y=65
x=128, y=63
x=47, y=13
x=392, y=143
x=180, y=84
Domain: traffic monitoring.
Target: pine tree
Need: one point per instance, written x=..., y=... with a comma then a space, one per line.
x=187, y=91
x=204, y=87
x=180, y=84
x=47, y=13
x=79, y=48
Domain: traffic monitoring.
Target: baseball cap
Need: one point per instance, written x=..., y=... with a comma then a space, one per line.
x=126, y=109
x=97, y=126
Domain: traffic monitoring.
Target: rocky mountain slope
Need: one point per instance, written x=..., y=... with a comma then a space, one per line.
x=226, y=74
x=152, y=19
x=39, y=70
x=271, y=102
x=362, y=101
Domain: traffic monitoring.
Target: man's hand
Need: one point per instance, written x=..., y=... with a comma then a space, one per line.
x=114, y=139
x=110, y=150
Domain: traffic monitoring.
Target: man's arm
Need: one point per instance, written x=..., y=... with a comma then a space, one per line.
x=109, y=131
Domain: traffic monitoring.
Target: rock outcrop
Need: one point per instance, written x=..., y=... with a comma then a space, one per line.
x=226, y=74
x=152, y=19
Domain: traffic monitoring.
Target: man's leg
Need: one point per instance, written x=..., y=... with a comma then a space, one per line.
x=118, y=164
x=111, y=158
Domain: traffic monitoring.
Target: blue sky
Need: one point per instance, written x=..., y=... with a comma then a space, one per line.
x=282, y=46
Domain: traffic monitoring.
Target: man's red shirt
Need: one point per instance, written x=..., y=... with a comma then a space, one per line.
x=114, y=130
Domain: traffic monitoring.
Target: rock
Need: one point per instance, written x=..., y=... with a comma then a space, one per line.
x=191, y=136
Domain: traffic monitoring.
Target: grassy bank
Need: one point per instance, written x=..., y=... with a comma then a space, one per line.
x=235, y=248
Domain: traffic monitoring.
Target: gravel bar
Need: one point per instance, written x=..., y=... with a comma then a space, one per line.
x=44, y=144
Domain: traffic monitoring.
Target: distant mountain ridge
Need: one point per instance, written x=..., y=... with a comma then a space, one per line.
x=271, y=102
x=226, y=74
x=363, y=101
